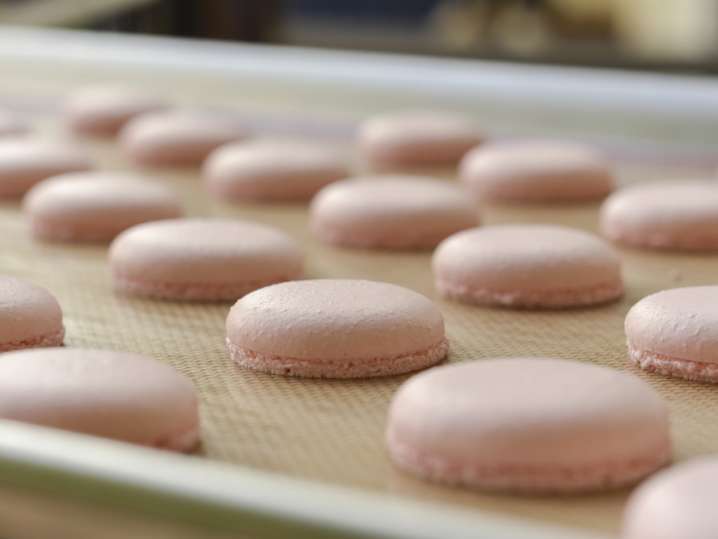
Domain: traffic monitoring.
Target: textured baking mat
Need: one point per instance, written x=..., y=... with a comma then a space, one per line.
x=332, y=431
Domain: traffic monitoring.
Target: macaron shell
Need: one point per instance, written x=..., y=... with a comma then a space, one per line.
x=96, y=206
x=29, y=316
x=177, y=138
x=266, y=170
x=527, y=265
x=103, y=110
x=392, y=212
x=100, y=392
x=664, y=215
x=416, y=138
x=676, y=503
x=676, y=332
x=25, y=162
x=536, y=171
x=576, y=426
x=203, y=258
x=349, y=328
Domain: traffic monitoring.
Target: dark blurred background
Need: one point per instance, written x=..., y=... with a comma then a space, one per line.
x=666, y=35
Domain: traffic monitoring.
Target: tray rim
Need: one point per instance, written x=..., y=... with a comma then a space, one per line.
x=237, y=498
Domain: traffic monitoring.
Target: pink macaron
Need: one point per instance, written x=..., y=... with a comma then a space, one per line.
x=542, y=171
x=29, y=316
x=104, y=393
x=390, y=212
x=675, y=332
x=530, y=425
x=335, y=328
x=272, y=170
x=178, y=138
x=102, y=110
x=678, y=503
x=25, y=162
x=680, y=215
x=527, y=266
x=202, y=259
x=96, y=206
x=416, y=139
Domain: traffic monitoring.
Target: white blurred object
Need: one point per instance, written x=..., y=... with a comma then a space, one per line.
x=668, y=29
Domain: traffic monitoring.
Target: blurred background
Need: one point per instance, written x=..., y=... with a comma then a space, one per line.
x=665, y=35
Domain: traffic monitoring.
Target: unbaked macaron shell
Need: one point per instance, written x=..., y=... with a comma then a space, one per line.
x=390, y=212
x=536, y=172
x=530, y=425
x=527, y=266
x=104, y=109
x=178, y=138
x=96, y=206
x=202, y=259
x=416, y=139
x=29, y=316
x=269, y=170
x=675, y=332
x=25, y=162
x=335, y=328
x=104, y=393
x=664, y=215
x=678, y=503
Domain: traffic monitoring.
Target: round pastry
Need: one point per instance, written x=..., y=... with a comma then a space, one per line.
x=272, y=171
x=177, y=138
x=664, y=215
x=96, y=206
x=29, y=316
x=390, y=212
x=105, y=393
x=104, y=109
x=675, y=332
x=527, y=266
x=335, y=328
x=202, y=259
x=528, y=425
x=536, y=171
x=416, y=139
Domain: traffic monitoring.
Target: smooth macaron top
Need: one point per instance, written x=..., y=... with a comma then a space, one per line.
x=178, y=137
x=530, y=413
x=102, y=110
x=208, y=251
x=680, y=323
x=391, y=211
x=24, y=162
x=536, y=171
x=417, y=138
x=97, y=204
x=526, y=258
x=335, y=319
x=664, y=214
x=27, y=311
x=101, y=392
x=678, y=503
x=273, y=169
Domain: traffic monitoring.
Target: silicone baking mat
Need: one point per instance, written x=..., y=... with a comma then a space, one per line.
x=332, y=431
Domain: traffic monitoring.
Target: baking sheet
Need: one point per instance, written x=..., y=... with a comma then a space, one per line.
x=332, y=431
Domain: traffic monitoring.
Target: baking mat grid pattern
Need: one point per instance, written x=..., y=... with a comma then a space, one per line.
x=332, y=431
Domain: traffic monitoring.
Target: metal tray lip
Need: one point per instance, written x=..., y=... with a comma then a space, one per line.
x=239, y=490
x=117, y=469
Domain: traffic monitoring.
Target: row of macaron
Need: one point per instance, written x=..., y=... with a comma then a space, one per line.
x=460, y=424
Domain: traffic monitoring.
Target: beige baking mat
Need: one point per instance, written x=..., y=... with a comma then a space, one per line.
x=332, y=431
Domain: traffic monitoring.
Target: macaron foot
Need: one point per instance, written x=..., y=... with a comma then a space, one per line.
x=695, y=371
x=43, y=341
x=339, y=368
